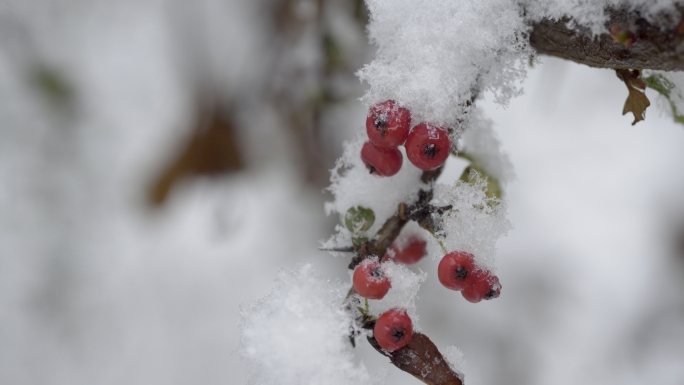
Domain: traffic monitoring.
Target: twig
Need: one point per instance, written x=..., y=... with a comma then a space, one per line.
x=420, y=357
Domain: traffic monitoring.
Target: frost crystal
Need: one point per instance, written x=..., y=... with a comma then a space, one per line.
x=405, y=285
x=298, y=334
x=434, y=56
x=352, y=185
x=455, y=359
x=476, y=221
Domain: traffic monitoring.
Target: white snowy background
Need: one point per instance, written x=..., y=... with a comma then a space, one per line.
x=97, y=288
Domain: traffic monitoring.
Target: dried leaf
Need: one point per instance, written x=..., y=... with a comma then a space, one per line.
x=212, y=150
x=422, y=359
x=636, y=102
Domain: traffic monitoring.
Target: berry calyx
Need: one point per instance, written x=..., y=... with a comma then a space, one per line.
x=455, y=270
x=409, y=253
x=387, y=124
x=381, y=161
x=370, y=280
x=428, y=146
x=393, y=329
x=483, y=285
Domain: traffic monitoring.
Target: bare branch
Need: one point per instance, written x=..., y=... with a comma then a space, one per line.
x=422, y=359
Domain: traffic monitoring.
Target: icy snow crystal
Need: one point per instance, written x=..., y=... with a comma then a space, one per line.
x=433, y=56
x=403, y=294
x=352, y=185
x=476, y=221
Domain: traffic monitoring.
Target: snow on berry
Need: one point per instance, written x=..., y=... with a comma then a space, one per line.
x=387, y=124
x=405, y=285
x=428, y=146
x=298, y=334
x=370, y=280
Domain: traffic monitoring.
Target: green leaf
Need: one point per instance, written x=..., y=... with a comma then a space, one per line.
x=660, y=84
x=665, y=87
x=359, y=219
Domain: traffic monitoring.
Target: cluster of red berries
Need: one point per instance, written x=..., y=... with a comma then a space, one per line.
x=393, y=329
x=457, y=271
x=388, y=127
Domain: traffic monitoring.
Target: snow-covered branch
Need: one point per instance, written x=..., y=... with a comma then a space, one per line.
x=655, y=43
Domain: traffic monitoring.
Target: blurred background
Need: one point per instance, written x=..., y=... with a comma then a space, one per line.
x=160, y=160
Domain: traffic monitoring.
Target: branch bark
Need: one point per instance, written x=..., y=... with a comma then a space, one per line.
x=658, y=45
x=422, y=359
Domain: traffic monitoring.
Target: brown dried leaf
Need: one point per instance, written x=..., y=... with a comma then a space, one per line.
x=212, y=150
x=636, y=102
x=422, y=359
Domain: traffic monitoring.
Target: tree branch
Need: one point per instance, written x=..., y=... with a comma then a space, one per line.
x=657, y=45
x=421, y=359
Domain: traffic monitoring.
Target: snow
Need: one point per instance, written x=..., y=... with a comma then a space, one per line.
x=475, y=223
x=424, y=63
x=298, y=333
x=455, y=358
x=352, y=185
x=403, y=294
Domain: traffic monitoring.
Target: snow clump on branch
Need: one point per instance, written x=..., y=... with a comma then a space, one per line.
x=434, y=56
x=298, y=334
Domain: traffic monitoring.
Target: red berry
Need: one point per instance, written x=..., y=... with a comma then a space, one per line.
x=428, y=146
x=393, y=329
x=381, y=161
x=370, y=280
x=388, y=124
x=455, y=270
x=411, y=252
x=483, y=285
